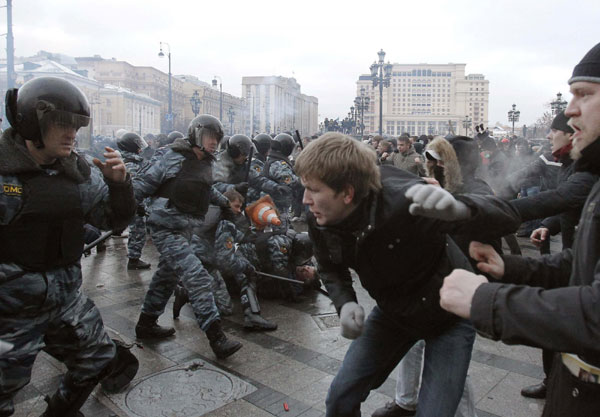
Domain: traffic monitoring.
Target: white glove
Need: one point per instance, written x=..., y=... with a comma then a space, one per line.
x=352, y=320
x=437, y=203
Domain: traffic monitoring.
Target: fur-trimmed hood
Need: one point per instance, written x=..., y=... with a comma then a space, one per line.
x=452, y=172
x=15, y=159
x=223, y=168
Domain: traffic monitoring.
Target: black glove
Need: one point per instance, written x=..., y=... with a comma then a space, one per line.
x=241, y=188
x=141, y=211
x=227, y=214
x=283, y=189
x=250, y=273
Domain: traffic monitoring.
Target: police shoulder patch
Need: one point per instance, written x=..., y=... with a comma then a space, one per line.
x=13, y=190
x=229, y=243
x=287, y=179
x=283, y=249
x=257, y=169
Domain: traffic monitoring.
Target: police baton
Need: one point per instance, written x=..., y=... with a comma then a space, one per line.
x=295, y=281
x=102, y=238
x=299, y=140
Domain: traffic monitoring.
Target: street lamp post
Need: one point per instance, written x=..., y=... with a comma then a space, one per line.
x=170, y=114
x=381, y=74
x=214, y=84
x=231, y=114
x=195, y=102
x=513, y=116
x=558, y=105
x=466, y=123
x=361, y=103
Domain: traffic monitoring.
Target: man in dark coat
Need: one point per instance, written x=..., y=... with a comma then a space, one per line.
x=563, y=316
x=359, y=218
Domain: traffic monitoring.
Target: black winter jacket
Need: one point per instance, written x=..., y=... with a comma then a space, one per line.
x=565, y=202
x=559, y=319
x=401, y=259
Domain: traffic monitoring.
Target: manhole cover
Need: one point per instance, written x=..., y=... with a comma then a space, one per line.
x=190, y=390
x=327, y=321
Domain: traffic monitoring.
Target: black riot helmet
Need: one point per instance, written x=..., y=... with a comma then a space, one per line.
x=43, y=101
x=131, y=142
x=175, y=135
x=262, y=143
x=199, y=125
x=283, y=143
x=238, y=145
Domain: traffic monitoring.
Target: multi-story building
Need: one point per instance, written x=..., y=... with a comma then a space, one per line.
x=235, y=110
x=112, y=108
x=427, y=99
x=276, y=105
x=143, y=80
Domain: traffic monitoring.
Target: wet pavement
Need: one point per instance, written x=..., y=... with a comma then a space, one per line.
x=291, y=367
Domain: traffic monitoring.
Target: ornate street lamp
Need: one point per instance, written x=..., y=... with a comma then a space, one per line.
x=466, y=124
x=558, y=105
x=361, y=104
x=195, y=102
x=170, y=114
x=231, y=114
x=214, y=84
x=381, y=74
x=513, y=116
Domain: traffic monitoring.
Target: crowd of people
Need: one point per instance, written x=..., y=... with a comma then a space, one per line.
x=221, y=212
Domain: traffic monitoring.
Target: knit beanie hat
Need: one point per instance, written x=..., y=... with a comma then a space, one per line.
x=589, y=67
x=560, y=123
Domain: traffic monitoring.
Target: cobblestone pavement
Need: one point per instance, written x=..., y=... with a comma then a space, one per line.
x=292, y=366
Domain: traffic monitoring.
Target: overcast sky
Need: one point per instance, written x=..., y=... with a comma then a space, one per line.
x=527, y=49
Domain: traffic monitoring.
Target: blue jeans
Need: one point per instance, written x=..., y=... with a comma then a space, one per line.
x=372, y=357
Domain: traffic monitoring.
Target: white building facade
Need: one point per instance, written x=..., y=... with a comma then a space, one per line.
x=276, y=105
x=427, y=99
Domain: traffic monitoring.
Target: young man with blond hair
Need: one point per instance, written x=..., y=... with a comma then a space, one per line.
x=360, y=219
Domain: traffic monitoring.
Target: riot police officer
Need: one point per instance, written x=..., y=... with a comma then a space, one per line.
x=131, y=146
x=279, y=169
x=178, y=181
x=48, y=193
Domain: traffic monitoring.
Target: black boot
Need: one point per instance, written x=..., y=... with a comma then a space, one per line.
x=535, y=391
x=254, y=321
x=148, y=328
x=219, y=343
x=68, y=399
x=181, y=299
x=137, y=263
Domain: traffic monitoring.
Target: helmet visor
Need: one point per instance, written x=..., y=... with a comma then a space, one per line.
x=63, y=119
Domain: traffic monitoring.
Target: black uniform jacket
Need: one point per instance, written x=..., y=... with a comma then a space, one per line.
x=401, y=259
x=539, y=312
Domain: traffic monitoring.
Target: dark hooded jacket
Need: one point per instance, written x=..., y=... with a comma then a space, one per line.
x=563, y=315
x=401, y=259
x=561, y=207
x=461, y=160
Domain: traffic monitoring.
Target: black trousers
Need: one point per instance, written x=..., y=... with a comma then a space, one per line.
x=570, y=396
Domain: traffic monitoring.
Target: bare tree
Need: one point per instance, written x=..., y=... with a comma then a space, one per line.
x=543, y=123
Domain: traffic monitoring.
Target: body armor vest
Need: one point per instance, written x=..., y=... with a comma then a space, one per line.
x=48, y=231
x=273, y=156
x=189, y=191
